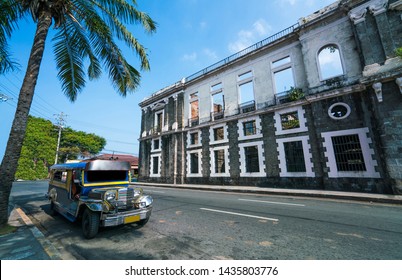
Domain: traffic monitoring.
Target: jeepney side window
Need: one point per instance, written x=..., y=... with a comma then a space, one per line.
x=60, y=176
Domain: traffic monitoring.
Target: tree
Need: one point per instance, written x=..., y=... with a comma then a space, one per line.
x=39, y=147
x=85, y=36
x=79, y=143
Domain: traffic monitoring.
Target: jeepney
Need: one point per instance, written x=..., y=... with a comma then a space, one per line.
x=97, y=193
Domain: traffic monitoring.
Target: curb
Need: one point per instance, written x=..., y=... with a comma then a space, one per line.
x=354, y=196
x=48, y=247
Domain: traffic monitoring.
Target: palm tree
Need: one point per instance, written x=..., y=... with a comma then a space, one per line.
x=85, y=37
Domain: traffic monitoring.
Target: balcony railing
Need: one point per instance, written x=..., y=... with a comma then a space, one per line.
x=217, y=115
x=241, y=53
x=247, y=107
x=194, y=121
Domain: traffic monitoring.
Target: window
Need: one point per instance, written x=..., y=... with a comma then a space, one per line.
x=60, y=176
x=252, y=159
x=194, y=109
x=156, y=144
x=246, y=92
x=194, y=168
x=349, y=154
x=219, y=156
x=290, y=120
x=283, y=80
x=294, y=156
x=155, y=166
x=194, y=163
x=218, y=134
x=158, y=121
x=218, y=102
x=249, y=128
x=193, y=138
x=283, y=75
x=219, y=161
x=329, y=61
x=339, y=111
x=251, y=154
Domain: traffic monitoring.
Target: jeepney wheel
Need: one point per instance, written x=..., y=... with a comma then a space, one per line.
x=142, y=223
x=52, y=211
x=90, y=223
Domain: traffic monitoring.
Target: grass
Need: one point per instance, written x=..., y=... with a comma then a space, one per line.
x=6, y=229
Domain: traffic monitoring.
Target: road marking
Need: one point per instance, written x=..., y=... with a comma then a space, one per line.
x=240, y=214
x=154, y=191
x=272, y=202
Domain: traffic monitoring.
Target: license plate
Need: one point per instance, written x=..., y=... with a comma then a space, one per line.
x=131, y=219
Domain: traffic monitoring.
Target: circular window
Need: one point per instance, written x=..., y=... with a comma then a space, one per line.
x=339, y=111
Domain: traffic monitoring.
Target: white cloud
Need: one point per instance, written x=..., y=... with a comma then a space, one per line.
x=246, y=38
x=190, y=57
x=210, y=53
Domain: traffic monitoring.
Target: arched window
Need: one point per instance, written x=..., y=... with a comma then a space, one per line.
x=329, y=61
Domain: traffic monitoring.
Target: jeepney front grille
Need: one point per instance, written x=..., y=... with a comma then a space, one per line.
x=125, y=198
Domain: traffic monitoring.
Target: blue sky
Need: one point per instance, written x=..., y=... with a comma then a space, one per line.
x=191, y=35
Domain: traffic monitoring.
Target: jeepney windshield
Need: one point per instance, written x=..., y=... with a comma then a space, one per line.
x=106, y=176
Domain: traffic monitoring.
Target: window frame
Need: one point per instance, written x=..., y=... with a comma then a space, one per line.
x=307, y=157
x=212, y=140
x=322, y=79
x=368, y=154
x=258, y=126
x=189, y=133
x=226, y=158
x=151, y=166
x=261, y=159
x=244, y=81
x=280, y=68
x=302, y=120
x=199, y=152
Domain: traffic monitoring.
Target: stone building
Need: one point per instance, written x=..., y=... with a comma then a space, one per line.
x=317, y=105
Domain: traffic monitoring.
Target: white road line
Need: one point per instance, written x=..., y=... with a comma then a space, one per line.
x=153, y=191
x=240, y=214
x=272, y=202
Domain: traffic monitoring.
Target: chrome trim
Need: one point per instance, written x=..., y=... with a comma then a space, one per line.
x=114, y=219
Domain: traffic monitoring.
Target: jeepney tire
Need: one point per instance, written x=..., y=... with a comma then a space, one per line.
x=52, y=211
x=142, y=223
x=90, y=223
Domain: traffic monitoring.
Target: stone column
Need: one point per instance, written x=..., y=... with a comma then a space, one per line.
x=379, y=9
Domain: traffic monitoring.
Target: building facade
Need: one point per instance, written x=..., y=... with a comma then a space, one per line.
x=317, y=105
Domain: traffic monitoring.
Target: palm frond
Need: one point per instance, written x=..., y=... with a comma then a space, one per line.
x=69, y=62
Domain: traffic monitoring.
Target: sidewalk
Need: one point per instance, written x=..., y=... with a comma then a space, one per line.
x=28, y=242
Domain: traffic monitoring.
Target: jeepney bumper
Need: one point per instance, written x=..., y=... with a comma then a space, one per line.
x=126, y=217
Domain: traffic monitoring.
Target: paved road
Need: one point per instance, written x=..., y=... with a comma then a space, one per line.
x=200, y=225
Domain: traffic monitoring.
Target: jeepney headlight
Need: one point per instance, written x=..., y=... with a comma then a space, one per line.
x=144, y=201
x=110, y=195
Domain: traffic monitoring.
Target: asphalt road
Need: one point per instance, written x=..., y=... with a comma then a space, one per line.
x=203, y=225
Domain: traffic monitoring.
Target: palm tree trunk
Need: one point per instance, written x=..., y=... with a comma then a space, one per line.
x=10, y=160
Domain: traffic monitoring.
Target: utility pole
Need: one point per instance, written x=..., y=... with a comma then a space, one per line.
x=61, y=121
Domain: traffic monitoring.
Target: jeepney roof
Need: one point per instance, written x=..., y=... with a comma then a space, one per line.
x=95, y=165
